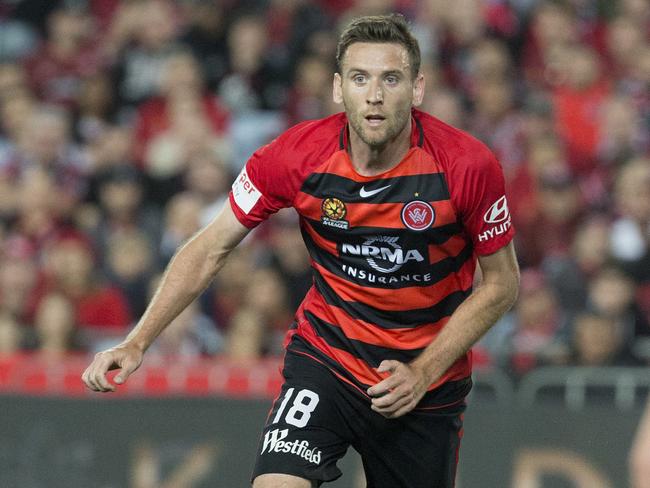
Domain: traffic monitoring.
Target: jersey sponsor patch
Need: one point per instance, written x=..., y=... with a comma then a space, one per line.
x=334, y=212
x=498, y=212
x=418, y=215
x=244, y=192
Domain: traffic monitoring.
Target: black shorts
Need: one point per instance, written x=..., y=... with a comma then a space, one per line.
x=318, y=416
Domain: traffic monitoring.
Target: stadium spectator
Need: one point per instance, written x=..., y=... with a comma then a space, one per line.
x=99, y=307
x=12, y=336
x=559, y=209
x=245, y=339
x=447, y=105
x=612, y=295
x=190, y=335
x=248, y=86
x=310, y=92
x=204, y=33
x=229, y=289
x=571, y=274
x=289, y=256
x=44, y=144
x=208, y=177
x=19, y=277
x=539, y=335
x=163, y=120
x=55, y=327
x=113, y=146
x=95, y=108
x=577, y=100
x=182, y=221
x=599, y=341
x=267, y=297
x=129, y=264
x=497, y=123
x=68, y=54
x=142, y=38
x=630, y=231
x=122, y=208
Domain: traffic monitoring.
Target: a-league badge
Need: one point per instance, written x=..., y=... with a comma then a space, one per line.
x=418, y=215
x=334, y=212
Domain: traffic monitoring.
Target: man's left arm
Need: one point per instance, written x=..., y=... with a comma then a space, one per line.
x=400, y=392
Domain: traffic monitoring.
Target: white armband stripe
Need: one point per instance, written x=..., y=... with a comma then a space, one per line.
x=244, y=192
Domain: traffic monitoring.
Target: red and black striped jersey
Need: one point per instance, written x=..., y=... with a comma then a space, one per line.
x=393, y=255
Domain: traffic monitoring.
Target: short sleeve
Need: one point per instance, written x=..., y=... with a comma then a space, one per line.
x=262, y=187
x=477, y=190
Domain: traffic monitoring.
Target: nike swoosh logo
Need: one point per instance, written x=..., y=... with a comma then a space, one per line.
x=365, y=194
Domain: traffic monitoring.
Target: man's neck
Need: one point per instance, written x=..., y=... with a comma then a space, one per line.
x=371, y=161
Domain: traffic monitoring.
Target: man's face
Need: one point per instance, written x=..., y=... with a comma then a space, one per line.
x=378, y=90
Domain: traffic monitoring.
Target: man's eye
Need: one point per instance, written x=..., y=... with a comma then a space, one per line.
x=391, y=80
x=359, y=79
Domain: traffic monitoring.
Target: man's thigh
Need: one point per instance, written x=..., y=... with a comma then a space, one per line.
x=418, y=450
x=282, y=481
x=307, y=430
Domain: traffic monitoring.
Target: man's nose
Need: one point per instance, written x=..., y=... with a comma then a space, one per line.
x=375, y=93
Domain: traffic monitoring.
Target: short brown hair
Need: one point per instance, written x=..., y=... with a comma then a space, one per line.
x=391, y=28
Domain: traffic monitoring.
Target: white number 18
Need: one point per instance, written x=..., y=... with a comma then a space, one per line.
x=301, y=410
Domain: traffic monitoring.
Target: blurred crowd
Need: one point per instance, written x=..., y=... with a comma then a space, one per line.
x=123, y=124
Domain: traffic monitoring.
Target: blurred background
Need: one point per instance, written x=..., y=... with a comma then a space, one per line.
x=122, y=126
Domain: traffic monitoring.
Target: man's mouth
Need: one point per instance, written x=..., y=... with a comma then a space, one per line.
x=375, y=119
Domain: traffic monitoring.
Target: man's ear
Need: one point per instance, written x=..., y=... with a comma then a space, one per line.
x=337, y=88
x=418, y=90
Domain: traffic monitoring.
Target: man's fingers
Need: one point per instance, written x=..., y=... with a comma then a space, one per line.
x=384, y=386
x=95, y=374
x=127, y=368
x=387, y=384
x=388, y=365
x=403, y=410
x=394, y=405
x=99, y=380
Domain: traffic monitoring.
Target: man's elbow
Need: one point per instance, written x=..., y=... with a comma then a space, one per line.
x=511, y=288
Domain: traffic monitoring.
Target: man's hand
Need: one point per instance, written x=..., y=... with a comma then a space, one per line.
x=125, y=357
x=401, y=391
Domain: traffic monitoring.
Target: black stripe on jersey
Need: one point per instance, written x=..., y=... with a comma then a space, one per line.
x=438, y=271
x=446, y=394
x=392, y=319
x=429, y=187
x=370, y=353
x=433, y=235
x=420, y=132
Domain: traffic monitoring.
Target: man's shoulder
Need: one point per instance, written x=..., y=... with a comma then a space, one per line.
x=311, y=138
x=447, y=142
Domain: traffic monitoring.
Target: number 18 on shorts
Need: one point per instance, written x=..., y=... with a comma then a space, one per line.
x=305, y=434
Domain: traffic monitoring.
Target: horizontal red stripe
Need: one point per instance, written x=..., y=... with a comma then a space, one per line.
x=407, y=338
x=358, y=368
x=367, y=375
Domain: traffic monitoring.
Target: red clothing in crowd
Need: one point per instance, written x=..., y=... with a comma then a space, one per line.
x=154, y=119
x=103, y=307
x=57, y=80
x=577, y=120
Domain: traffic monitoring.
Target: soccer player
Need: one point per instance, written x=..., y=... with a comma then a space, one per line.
x=396, y=208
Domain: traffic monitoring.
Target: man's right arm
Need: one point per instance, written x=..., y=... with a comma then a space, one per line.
x=187, y=275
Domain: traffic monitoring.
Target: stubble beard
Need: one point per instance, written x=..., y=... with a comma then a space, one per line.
x=394, y=126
